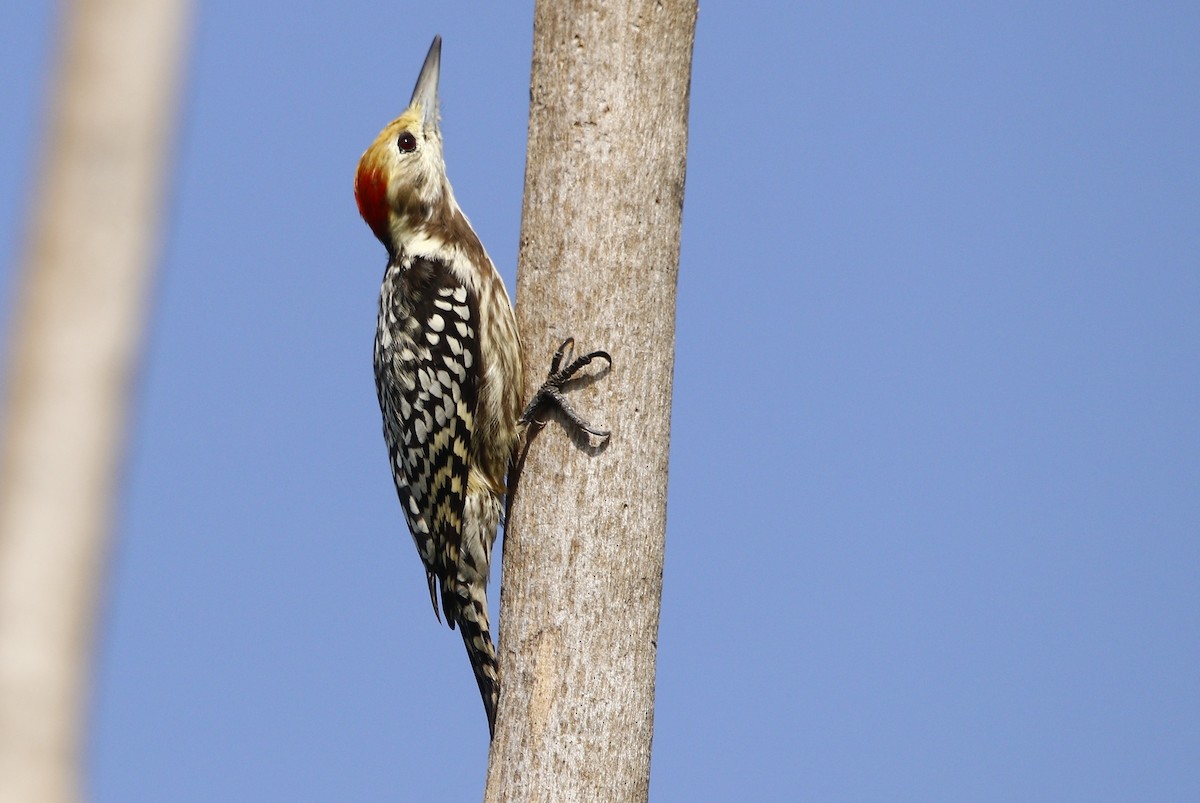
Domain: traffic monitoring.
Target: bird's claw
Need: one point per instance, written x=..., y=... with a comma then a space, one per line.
x=551, y=390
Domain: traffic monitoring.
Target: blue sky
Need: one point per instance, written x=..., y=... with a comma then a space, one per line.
x=935, y=456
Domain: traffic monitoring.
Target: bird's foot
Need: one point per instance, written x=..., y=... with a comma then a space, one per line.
x=551, y=391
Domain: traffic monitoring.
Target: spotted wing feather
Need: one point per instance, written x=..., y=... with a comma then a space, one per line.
x=427, y=375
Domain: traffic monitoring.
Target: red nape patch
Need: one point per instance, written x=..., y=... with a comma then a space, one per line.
x=370, y=190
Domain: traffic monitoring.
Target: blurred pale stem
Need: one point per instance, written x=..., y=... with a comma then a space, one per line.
x=599, y=259
x=76, y=329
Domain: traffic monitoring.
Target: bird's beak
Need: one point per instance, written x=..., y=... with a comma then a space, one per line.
x=425, y=92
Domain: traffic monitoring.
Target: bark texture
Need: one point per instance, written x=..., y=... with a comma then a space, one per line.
x=74, y=347
x=599, y=259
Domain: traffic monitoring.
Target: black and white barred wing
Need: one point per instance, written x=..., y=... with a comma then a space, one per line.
x=435, y=363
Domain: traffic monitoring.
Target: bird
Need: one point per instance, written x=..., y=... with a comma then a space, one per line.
x=448, y=370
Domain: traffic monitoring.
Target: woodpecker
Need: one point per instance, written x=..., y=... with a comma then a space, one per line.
x=448, y=370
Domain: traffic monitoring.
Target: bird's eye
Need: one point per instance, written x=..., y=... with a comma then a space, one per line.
x=407, y=142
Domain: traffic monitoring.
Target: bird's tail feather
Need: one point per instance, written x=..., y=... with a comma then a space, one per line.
x=472, y=619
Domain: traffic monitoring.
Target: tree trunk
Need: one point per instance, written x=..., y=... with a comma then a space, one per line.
x=73, y=352
x=599, y=259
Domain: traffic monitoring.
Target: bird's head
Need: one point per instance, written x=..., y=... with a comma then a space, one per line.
x=401, y=180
